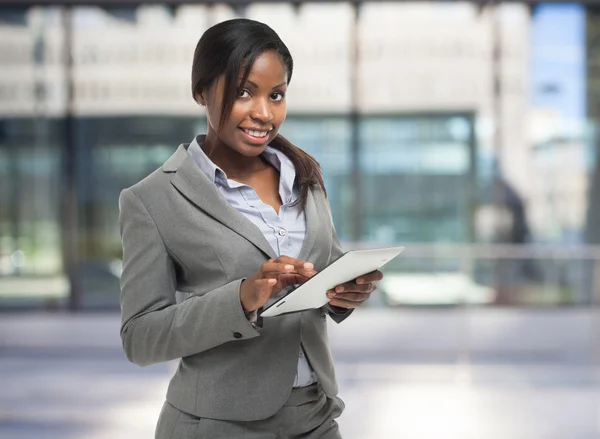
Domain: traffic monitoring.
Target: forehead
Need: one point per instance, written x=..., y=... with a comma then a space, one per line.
x=268, y=68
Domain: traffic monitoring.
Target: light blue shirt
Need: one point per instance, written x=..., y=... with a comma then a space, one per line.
x=284, y=231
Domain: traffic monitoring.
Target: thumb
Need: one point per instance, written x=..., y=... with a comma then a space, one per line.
x=264, y=287
x=255, y=293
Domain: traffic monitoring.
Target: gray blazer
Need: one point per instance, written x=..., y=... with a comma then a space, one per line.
x=185, y=254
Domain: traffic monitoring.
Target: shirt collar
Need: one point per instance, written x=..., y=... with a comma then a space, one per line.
x=205, y=164
x=287, y=171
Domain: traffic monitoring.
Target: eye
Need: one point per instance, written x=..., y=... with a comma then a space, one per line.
x=244, y=93
x=277, y=96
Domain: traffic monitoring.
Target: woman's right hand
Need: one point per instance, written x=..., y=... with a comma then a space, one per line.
x=272, y=277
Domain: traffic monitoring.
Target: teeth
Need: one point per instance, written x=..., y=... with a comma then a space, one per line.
x=255, y=133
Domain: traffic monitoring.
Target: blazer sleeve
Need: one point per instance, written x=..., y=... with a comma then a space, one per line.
x=154, y=328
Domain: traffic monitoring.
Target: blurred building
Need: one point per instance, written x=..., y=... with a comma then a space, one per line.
x=421, y=115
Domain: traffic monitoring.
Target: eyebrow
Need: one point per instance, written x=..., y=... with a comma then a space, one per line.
x=277, y=86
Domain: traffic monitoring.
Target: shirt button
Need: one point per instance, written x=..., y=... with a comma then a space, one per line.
x=282, y=232
x=237, y=335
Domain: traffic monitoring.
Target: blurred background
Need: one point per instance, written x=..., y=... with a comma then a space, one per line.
x=467, y=131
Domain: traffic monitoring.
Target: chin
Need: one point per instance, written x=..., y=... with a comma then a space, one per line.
x=252, y=149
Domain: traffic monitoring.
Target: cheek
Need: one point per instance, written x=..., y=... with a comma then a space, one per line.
x=279, y=115
x=282, y=114
x=281, y=111
x=239, y=113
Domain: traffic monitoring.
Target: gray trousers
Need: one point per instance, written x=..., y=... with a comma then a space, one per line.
x=308, y=414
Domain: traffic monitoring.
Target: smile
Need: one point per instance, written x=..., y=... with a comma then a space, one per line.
x=256, y=134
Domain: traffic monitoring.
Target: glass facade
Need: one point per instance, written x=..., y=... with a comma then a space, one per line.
x=31, y=263
x=422, y=167
x=433, y=156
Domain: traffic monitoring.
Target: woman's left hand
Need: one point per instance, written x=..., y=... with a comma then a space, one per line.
x=355, y=293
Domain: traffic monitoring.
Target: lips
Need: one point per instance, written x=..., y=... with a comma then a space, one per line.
x=256, y=137
x=256, y=133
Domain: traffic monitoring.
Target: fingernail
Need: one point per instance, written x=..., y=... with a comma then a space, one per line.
x=360, y=281
x=339, y=289
x=308, y=266
x=289, y=267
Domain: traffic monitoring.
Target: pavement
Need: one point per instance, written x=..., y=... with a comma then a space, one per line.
x=453, y=373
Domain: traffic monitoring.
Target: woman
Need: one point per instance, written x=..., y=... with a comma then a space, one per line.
x=226, y=225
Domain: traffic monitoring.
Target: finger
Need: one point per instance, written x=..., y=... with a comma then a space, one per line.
x=264, y=287
x=373, y=276
x=345, y=303
x=276, y=267
x=297, y=263
x=269, y=269
x=289, y=278
x=351, y=287
x=292, y=279
x=352, y=297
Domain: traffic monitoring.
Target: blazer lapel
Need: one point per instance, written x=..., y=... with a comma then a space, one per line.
x=197, y=188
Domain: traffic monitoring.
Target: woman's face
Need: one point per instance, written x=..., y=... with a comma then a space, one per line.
x=258, y=111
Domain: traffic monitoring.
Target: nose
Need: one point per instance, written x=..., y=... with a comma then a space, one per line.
x=261, y=111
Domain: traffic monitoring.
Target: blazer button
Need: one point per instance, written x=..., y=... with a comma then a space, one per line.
x=237, y=335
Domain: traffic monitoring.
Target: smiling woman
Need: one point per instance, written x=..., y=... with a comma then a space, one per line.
x=256, y=114
x=232, y=221
x=244, y=95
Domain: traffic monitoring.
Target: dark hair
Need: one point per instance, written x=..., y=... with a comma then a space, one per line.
x=233, y=45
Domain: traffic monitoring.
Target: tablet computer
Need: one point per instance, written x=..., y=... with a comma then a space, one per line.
x=312, y=293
